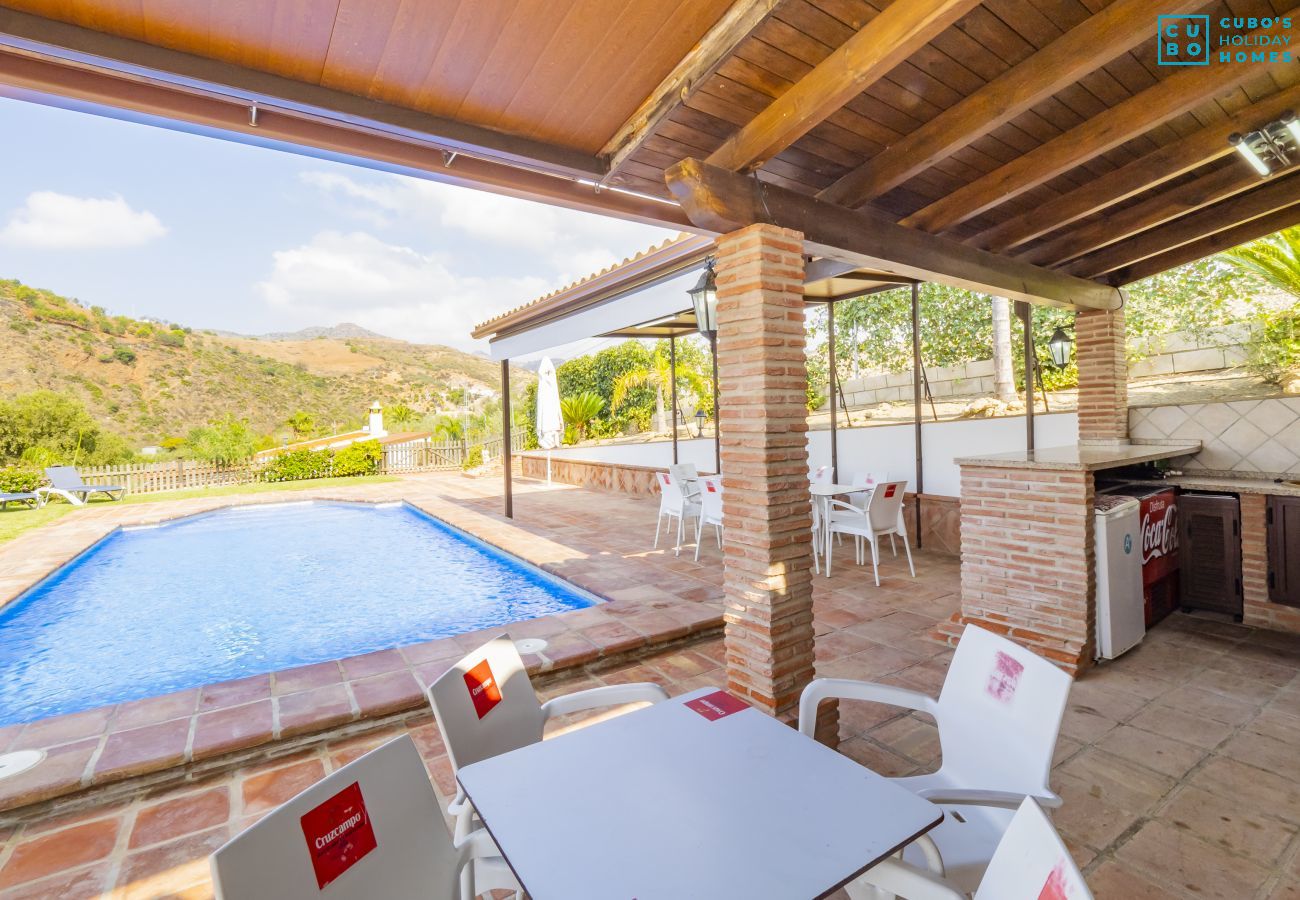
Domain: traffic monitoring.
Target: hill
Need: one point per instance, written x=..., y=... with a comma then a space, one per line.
x=343, y=331
x=147, y=380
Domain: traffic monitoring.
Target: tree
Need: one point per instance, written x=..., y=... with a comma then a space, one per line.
x=225, y=441
x=53, y=422
x=658, y=375
x=578, y=411
x=1004, y=382
x=401, y=414
x=1274, y=259
x=302, y=423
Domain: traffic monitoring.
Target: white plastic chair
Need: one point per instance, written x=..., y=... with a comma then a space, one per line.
x=865, y=482
x=820, y=475
x=999, y=715
x=516, y=719
x=674, y=503
x=882, y=516
x=710, y=510
x=1031, y=862
x=413, y=855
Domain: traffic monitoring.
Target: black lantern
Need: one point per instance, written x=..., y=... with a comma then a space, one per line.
x=1059, y=347
x=699, y=422
x=704, y=297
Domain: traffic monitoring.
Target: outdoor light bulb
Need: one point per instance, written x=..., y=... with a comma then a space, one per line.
x=1293, y=126
x=1244, y=148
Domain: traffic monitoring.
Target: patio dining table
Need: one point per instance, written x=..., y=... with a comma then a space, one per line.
x=822, y=494
x=698, y=796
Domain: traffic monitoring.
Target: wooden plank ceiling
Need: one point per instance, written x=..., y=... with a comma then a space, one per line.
x=1039, y=130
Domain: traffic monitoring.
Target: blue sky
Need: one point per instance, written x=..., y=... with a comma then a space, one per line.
x=214, y=234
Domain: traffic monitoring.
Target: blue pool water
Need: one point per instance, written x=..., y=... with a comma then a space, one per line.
x=250, y=590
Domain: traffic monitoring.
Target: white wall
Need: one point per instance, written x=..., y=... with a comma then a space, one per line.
x=886, y=450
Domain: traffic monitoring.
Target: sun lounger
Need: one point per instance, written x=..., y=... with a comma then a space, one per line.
x=65, y=482
x=29, y=498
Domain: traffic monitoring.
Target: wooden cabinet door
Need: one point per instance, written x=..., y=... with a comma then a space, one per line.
x=1210, y=549
x=1284, y=550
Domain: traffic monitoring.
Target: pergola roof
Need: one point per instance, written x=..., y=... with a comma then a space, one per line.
x=1032, y=148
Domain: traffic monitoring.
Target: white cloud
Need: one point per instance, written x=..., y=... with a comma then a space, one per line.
x=493, y=253
x=53, y=221
x=388, y=288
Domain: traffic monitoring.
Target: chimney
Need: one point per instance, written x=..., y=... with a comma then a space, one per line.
x=376, y=427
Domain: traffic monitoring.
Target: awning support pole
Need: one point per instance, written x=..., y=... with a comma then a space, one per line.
x=832, y=383
x=1026, y=314
x=672, y=377
x=916, y=409
x=505, y=437
x=717, y=413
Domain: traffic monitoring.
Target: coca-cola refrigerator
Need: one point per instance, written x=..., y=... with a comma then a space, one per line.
x=1159, y=530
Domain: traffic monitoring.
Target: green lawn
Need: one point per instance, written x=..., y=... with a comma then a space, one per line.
x=17, y=519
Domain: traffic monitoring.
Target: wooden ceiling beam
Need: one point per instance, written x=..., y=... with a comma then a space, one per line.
x=879, y=46
x=26, y=34
x=1131, y=179
x=1113, y=227
x=1175, y=95
x=1269, y=197
x=716, y=47
x=1190, y=252
x=718, y=200
x=1089, y=45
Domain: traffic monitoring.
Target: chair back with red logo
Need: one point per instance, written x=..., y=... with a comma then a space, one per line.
x=884, y=505
x=485, y=705
x=1032, y=862
x=1000, y=711
x=371, y=829
x=711, y=499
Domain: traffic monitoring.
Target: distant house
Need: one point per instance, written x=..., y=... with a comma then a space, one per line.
x=373, y=430
x=151, y=450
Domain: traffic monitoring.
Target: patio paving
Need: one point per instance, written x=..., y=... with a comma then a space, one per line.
x=1177, y=762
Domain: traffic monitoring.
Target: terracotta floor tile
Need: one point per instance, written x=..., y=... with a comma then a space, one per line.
x=232, y=728
x=60, y=771
x=81, y=883
x=387, y=693
x=1117, y=781
x=155, y=709
x=59, y=850
x=1265, y=752
x=1182, y=726
x=304, y=678
x=1115, y=881
x=1171, y=855
x=1229, y=824
x=268, y=790
x=184, y=815
x=355, y=667
x=314, y=710
x=145, y=749
x=64, y=729
x=1086, y=817
x=1165, y=755
x=235, y=693
x=164, y=870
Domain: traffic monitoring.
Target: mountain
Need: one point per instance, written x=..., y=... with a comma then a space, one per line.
x=148, y=380
x=344, y=331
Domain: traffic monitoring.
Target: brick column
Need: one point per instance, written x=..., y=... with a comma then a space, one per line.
x=1256, y=608
x=1103, y=377
x=767, y=514
x=1027, y=560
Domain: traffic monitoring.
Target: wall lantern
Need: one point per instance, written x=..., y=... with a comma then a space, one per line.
x=1059, y=346
x=704, y=297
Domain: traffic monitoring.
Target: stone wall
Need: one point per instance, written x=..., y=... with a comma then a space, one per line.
x=638, y=481
x=1256, y=609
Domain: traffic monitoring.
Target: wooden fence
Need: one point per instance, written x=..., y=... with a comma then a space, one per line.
x=178, y=474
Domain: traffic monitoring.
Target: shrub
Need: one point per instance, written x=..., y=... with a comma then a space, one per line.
x=474, y=459
x=1273, y=351
x=173, y=338
x=361, y=458
x=298, y=465
x=124, y=355
x=19, y=480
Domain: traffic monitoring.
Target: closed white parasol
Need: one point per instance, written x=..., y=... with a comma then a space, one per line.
x=550, y=421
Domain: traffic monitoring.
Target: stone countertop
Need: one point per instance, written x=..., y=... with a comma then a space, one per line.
x=1083, y=458
x=1243, y=485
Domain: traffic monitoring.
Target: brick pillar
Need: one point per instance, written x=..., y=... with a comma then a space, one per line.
x=1103, y=377
x=1256, y=608
x=1027, y=560
x=767, y=514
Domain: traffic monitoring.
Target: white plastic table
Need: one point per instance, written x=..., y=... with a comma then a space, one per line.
x=822, y=494
x=666, y=803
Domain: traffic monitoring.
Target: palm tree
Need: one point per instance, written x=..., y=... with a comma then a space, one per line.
x=1275, y=259
x=400, y=414
x=302, y=423
x=659, y=375
x=579, y=410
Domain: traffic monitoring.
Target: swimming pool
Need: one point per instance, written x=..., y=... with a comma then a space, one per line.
x=253, y=589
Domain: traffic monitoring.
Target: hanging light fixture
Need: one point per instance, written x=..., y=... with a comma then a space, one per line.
x=1242, y=144
x=1271, y=147
x=1059, y=346
x=704, y=297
